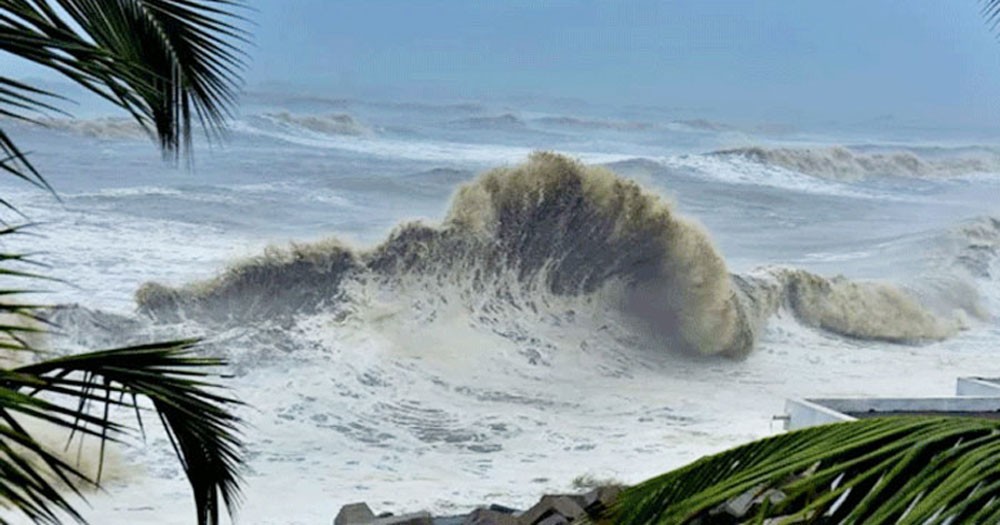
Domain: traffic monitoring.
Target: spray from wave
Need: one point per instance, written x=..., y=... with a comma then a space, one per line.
x=547, y=241
x=856, y=309
x=840, y=163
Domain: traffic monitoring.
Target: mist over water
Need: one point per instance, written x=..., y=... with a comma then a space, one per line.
x=425, y=308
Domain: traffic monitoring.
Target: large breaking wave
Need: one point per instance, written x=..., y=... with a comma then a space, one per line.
x=547, y=242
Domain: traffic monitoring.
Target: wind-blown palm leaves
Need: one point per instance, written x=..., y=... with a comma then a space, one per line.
x=200, y=427
x=170, y=64
x=906, y=470
x=991, y=12
x=161, y=60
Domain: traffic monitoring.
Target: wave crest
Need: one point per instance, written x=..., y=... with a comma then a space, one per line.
x=858, y=309
x=331, y=124
x=496, y=122
x=840, y=163
x=543, y=240
x=595, y=124
x=105, y=128
x=552, y=224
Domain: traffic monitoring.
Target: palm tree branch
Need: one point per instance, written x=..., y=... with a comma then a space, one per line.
x=160, y=60
x=197, y=420
x=905, y=470
x=32, y=493
x=196, y=66
x=991, y=13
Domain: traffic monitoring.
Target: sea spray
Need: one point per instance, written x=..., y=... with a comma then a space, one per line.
x=537, y=242
x=551, y=223
x=858, y=309
x=280, y=283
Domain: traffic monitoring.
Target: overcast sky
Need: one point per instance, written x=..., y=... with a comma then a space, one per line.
x=933, y=60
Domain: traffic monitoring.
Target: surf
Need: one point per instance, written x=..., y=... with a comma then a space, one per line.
x=545, y=240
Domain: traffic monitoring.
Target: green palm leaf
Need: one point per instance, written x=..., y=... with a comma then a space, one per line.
x=169, y=63
x=919, y=470
x=197, y=418
x=81, y=394
x=991, y=12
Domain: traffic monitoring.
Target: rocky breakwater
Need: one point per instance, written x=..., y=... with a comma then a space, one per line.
x=551, y=509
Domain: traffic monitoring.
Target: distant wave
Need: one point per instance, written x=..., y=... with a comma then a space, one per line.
x=423, y=150
x=701, y=124
x=115, y=128
x=546, y=242
x=843, y=164
x=106, y=128
x=283, y=99
x=447, y=177
x=467, y=107
x=331, y=124
x=504, y=121
x=583, y=123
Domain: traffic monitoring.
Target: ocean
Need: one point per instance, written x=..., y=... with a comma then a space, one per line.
x=441, y=305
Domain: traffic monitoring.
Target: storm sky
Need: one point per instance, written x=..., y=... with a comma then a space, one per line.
x=934, y=61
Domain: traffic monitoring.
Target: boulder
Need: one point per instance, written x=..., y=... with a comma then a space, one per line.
x=502, y=508
x=598, y=500
x=490, y=517
x=354, y=514
x=569, y=507
x=450, y=520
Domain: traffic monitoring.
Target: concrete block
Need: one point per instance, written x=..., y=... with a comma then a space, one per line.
x=739, y=506
x=502, y=508
x=490, y=517
x=567, y=506
x=978, y=386
x=354, y=514
x=450, y=520
x=554, y=519
x=595, y=501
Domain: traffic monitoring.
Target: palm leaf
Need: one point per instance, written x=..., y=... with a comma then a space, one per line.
x=919, y=470
x=197, y=418
x=168, y=63
x=991, y=12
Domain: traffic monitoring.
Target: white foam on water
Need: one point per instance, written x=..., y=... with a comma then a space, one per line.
x=480, y=154
x=414, y=395
x=741, y=171
x=547, y=425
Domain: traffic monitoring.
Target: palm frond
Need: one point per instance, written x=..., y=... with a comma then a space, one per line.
x=909, y=470
x=197, y=418
x=21, y=101
x=18, y=320
x=77, y=393
x=166, y=62
x=991, y=13
x=170, y=64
